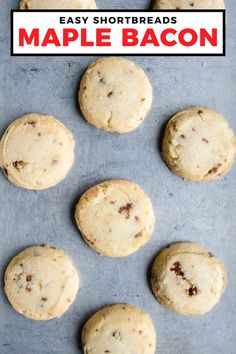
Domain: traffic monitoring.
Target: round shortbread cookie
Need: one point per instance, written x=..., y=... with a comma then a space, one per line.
x=115, y=218
x=36, y=152
x=188, y=4
x=115, y=94
x=118, y=329
x=41, y=283
x=199, y=145
x=57, y=4
x=188, y=279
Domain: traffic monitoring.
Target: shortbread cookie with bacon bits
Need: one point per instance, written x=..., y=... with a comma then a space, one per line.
x=115, y=218
x=188, y=4
x=188, y=279
x=57, y=4
x=119, y=329
x=199, y=145
x=36, y=152
x=41, y=283
x=115, y=95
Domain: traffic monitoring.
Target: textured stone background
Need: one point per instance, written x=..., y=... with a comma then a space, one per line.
x=185, y=211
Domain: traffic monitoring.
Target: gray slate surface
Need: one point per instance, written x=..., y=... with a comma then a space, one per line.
x=203, y=213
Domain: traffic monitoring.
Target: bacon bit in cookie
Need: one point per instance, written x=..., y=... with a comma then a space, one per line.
x=116, y=334
x=39, y=134
x=92, y=241
x=44, y=299
x=136, y=218
x=177, y=269
x=193, y=130
x=126, y=209
x=210, y=254
x=112, y=202
x=143, y=99
x=68, y=300
x=140, y=332
x=54, y=162
x=139, y=234
x=29, y=278
x=107, y=351
x=205, y=140
x=32, y=123
x=85, y=87
x=183, y=136
x=21, y=265
x=215, y=169
x=101, y=79
x=200, y=112
x=19, y=164
x=28, y=289
x=193, y=291
x=110, y=94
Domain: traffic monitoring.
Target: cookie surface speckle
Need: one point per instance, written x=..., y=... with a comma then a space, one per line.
x=188, y=279
x=36, y=152
x=119, y=329
x=199, y=145
x=41, y=283
x=188, y=4
x=115, y=94
x=115, y=218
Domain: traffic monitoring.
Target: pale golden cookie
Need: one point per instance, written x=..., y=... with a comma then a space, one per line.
x=188, y=4
x=57, y=4
x=41, y=283
x=199, y=145
x=115, y=218
x=188, y=279
x=115, y=94
x=119, y=329
x=36, y=152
